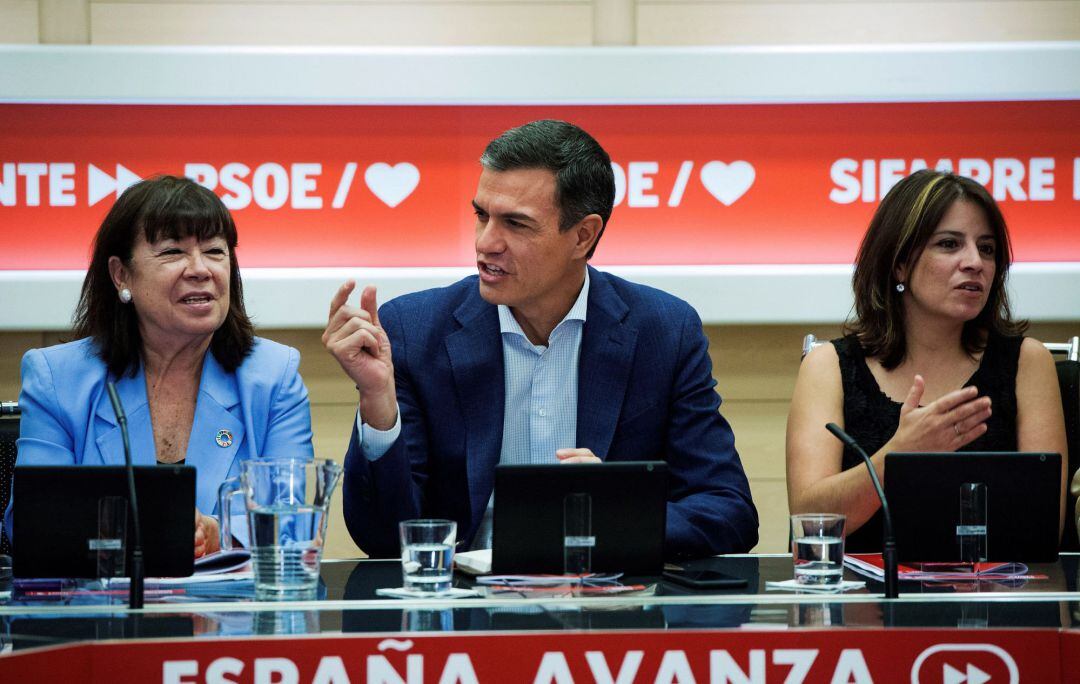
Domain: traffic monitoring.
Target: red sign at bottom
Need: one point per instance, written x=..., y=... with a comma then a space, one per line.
x=658, y=657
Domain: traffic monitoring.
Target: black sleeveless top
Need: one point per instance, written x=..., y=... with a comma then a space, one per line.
x=871, y=417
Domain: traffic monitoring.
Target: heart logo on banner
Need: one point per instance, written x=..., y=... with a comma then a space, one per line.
x=392, y=184
x=727, y=182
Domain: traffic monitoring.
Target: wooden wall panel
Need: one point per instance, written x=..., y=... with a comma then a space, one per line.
x=760, y=361
x=759, y=436
x=18, y=21
x=765, y=22
x=555, y=22
x=770, y=497
x=12, y=347
x=342, y=23
x=1054, y=332
x=330, y=426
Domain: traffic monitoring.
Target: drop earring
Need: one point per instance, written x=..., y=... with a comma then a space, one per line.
x=899, y=288
x=125, y=295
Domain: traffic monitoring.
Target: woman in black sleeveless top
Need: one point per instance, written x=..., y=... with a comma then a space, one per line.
x=932, y=360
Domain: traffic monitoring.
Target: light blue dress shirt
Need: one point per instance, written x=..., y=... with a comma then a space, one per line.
x=540, y=416
x=541, y=383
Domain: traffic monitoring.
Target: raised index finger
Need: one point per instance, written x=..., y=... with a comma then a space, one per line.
x=340, y=297
x=369, y=303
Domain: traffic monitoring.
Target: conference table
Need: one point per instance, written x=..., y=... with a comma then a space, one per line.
x=959, y=632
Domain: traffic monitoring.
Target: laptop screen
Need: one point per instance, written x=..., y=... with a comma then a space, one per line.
x=1022, y=498
x=538, y=506
x=56, y=510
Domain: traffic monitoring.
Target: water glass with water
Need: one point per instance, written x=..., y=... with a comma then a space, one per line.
x=817, y=541
x=427, y=555
x=287, y=500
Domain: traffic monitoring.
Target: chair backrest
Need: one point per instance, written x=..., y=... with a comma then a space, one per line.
x=1070, y=349
x=810, y=342
x=1068, y=370
x=9, y=433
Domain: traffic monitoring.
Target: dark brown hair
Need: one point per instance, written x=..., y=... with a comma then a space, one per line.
x=902, y=225
x=160, y=207
x=584, y=179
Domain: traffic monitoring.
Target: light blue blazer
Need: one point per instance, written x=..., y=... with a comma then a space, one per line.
x=67, y=418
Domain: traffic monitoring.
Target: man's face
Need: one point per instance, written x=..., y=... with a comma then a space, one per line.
x=524, y=260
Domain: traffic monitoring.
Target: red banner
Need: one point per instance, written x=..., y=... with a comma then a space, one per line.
x=660, y=657
x=390, y=185
x=1070, y=652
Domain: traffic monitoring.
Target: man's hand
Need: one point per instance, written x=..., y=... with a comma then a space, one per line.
x=207, y=537
x=353, y=337
x=576, y=456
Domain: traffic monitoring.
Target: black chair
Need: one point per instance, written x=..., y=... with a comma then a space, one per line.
x=9, y=432
x=1068, y=370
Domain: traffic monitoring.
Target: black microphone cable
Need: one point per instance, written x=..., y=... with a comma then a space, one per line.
x=888, y=545
x=135, y=593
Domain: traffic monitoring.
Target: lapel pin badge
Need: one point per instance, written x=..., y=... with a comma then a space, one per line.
x=223, y=438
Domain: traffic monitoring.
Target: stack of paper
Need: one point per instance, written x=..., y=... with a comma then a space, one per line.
x=871, y=565
x=473, y=562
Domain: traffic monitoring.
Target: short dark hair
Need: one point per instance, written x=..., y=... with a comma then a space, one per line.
x=584, y=180
x=902, y=225
x=160, y=207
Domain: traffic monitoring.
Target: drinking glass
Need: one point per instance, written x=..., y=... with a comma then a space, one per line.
x=817, y=541
x=427, y=555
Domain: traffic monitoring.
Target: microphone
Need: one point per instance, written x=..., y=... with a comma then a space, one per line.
x=135, y=589
x=888, y=544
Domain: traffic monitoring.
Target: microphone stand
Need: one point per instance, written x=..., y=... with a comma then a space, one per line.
x=888, y=545
x=135, y=589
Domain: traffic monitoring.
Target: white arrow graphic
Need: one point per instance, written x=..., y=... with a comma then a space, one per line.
x=950, y=675
x=100, y=184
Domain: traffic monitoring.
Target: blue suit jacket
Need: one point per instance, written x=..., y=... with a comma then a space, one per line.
x=67, y=418
x=645, y=391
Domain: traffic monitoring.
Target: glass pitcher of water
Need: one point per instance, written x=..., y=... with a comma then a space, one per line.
x=287, y=502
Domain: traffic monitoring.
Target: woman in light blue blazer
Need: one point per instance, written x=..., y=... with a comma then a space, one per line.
x=162, y=315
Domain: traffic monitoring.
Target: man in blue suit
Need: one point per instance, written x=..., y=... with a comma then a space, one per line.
x=538, y=358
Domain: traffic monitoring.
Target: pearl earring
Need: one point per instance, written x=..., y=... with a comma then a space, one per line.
x=125, y=295
x=899, y=288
